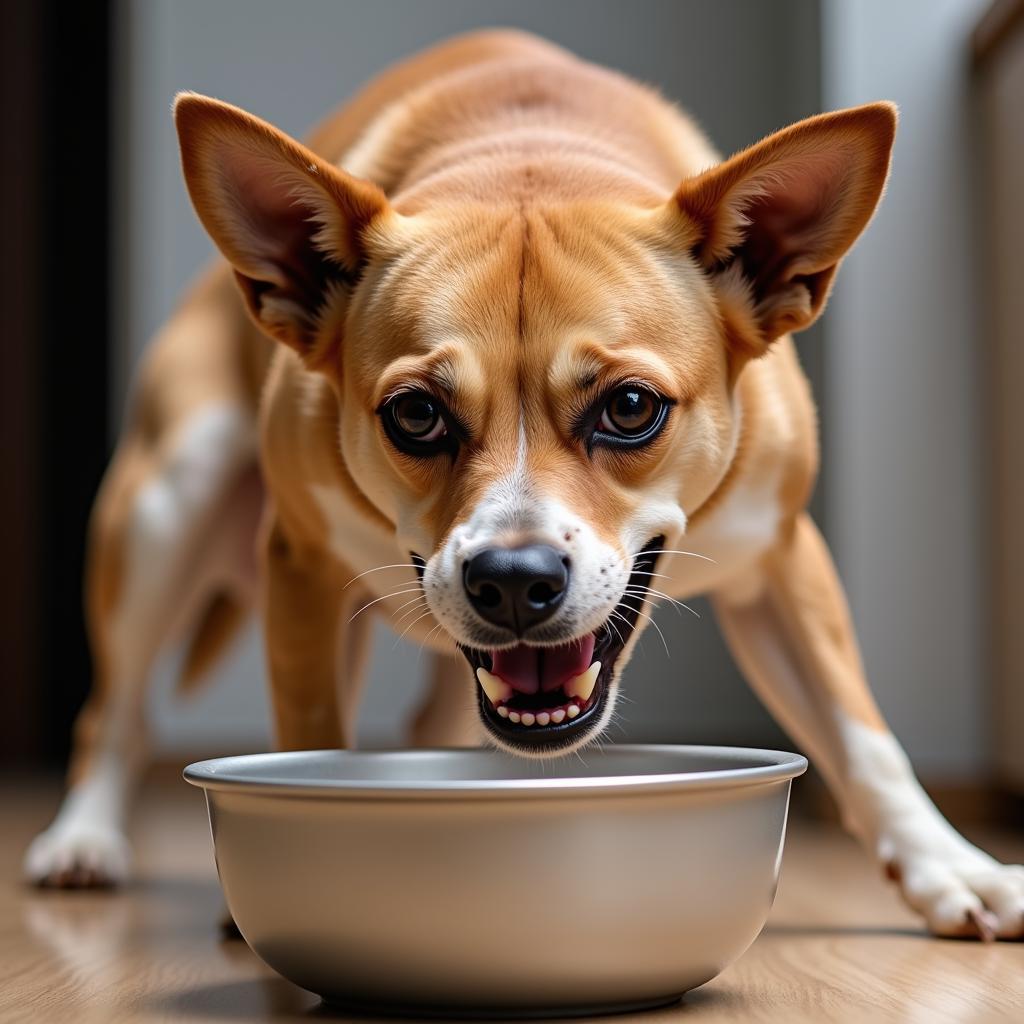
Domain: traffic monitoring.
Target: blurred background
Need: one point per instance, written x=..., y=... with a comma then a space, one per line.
x=915, y=365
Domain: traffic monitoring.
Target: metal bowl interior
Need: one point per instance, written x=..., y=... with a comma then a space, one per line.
x=470, y=882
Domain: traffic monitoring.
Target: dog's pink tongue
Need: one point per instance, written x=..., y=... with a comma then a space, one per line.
x=518, y=667
x=561, y=663
x=529, y=669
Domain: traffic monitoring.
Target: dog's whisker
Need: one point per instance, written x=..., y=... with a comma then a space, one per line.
x=419, y=607
x=649, y=599
x=380, y=568
x=430, y=635
x=423, y=643
x=637, y=589
x=377, y=600
x=677, y=551
x=673, y=551
x=411, y=624
x=405, y=587
x=657, y=627
x=419, y=600
x=611, y=625
x=622, y=618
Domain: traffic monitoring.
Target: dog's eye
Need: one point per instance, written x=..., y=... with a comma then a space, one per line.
x=418, y=417
x=417, y=424
x=631, y=412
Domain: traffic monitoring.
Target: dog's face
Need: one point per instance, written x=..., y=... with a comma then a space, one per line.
x=536, y=401
x=537, y=396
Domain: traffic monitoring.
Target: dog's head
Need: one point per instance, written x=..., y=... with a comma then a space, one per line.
x=537, y=394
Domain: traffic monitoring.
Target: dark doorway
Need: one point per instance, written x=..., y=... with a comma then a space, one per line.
x=55, y=67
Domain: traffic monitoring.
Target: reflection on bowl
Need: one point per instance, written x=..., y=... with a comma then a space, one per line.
x=472, y=882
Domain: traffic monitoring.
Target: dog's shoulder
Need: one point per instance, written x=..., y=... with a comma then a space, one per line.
x=769, y=479
x=314, y=493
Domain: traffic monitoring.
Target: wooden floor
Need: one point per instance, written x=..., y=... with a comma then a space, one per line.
x=838, y=946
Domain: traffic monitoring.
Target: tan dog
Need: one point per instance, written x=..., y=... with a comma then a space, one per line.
x=531, y=335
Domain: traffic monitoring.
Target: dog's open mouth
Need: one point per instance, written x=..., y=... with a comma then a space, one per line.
x=547, y=695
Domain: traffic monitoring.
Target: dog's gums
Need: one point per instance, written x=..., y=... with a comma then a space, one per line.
x=551, y=696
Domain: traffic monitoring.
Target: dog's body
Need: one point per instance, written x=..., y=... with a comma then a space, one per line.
x=520, y=246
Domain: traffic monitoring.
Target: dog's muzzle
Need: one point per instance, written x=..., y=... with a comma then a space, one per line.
x=546, y=695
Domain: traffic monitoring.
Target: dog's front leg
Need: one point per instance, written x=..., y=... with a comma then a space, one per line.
x=315, y=655
x=447, y=716
x=791, y=633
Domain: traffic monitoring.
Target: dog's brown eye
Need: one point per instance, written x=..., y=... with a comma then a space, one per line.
x=631, y=411
x=416, y=423
x=418, y=416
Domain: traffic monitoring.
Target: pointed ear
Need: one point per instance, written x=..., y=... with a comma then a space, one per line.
x=774, y=221
x=292, y=226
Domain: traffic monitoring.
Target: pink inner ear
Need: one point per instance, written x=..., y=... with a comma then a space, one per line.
x=795, y=219
x=273, y=230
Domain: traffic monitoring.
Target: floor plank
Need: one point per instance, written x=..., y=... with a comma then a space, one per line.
x=838, y=946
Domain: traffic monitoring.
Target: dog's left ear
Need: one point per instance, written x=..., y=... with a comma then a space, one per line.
x=293, y=226
x=774, y=221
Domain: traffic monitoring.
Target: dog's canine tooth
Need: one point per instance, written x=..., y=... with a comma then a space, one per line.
x=495, y=687
x=582, y=686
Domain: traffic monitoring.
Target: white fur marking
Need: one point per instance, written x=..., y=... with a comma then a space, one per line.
x=88, y=832
x=942, y=875
x=734, y=536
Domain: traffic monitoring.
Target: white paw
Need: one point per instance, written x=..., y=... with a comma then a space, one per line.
x=958, y=889
x=963, y=892
x=78, y=855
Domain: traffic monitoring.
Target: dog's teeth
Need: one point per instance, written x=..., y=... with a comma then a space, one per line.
x=495, y=687
x=558, y=716
x=513, y=716
x=503, y=711
x=528, y=718
x=572, y=711
x=582, y=686
x=543, y=718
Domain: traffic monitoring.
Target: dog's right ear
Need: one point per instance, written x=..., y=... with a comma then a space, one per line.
x=772, y=223
x=293, y=226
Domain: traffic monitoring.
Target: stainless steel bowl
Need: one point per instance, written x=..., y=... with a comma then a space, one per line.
x=471, y=882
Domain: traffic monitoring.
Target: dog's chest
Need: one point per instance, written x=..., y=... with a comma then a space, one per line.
x=725, y=546
x=356, y=543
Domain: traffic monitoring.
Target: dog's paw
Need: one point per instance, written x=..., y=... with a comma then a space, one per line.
x=78, y=856
x=962, y=893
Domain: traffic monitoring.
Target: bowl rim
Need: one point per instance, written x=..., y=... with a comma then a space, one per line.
x=228, y=774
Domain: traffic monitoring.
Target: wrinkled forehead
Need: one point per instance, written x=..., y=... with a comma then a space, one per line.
x=519, y=322
x=532, y=304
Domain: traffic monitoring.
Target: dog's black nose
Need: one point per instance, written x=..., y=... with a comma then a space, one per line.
x=516, y=587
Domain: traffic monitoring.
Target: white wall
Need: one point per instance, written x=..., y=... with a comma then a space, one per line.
x=903, y=444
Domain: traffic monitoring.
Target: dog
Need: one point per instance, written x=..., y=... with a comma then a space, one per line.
x=504, y=355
